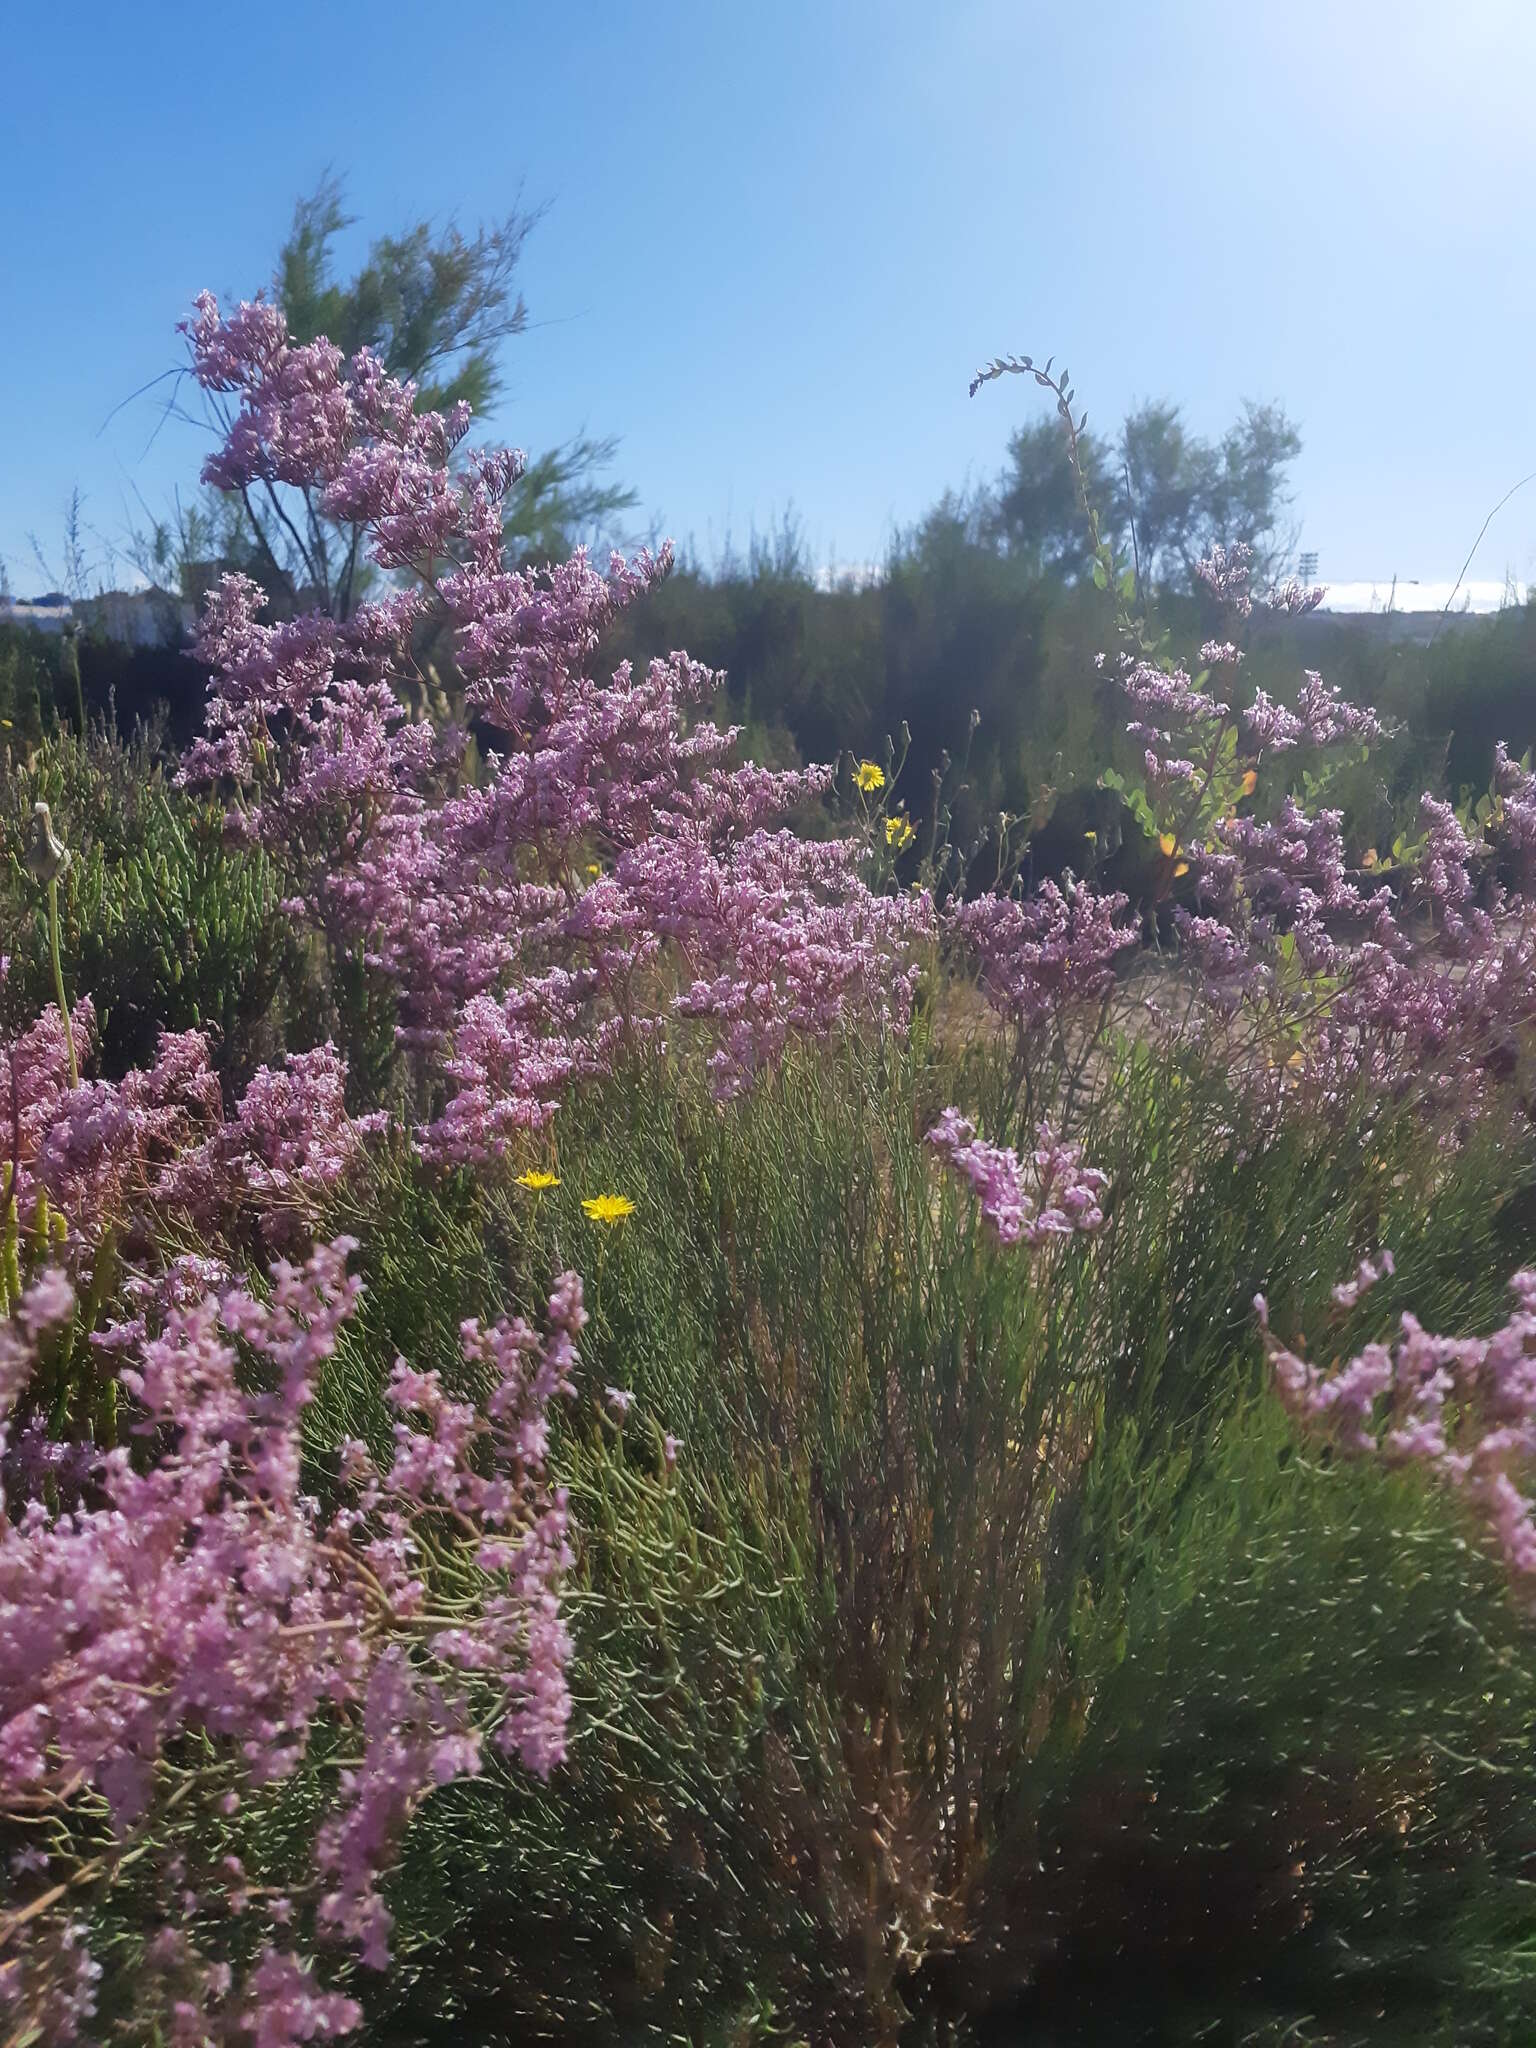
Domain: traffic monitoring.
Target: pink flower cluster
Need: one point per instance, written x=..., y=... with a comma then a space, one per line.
x=473, y=891
x=95, y=1149
x=1227, y=573
x=1321, y=718
x=107, y=1153
x=290, y=1142
x=1514, y=789
x=1044, y=957
x=1463, y=1408
x=305, y=417
x=1424, y=977
x=196, y=1587
x=1431, y=983
x=1178, y=724
x=1065, y=1198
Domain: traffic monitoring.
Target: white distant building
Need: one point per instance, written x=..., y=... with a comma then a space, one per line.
x=137, y=618
x=50, y=614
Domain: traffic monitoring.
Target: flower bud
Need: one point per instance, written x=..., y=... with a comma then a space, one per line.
x=47, y=858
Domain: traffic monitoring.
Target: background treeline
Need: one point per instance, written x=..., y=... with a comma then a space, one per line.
x=953, y=623
x=957, y=623
x=985, y=606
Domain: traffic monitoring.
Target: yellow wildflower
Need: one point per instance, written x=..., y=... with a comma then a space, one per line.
x=593, y=868
x=537, y=1179
x=870, y=777
x=898, y=833
x=608, y=1208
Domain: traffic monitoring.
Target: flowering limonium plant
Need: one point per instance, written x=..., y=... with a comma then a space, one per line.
x=1462, y=1409
x=476, y=894
x=104, y=1154
x=1334, y=979
x=1353, y=978
x=1315, y=976
x=144, y=1479
x=181, y=1619
x=1035, y=1202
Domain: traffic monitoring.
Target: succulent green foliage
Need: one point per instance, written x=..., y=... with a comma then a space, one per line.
x=164, y=925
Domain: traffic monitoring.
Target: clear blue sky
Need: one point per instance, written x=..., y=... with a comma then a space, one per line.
x=778, y=239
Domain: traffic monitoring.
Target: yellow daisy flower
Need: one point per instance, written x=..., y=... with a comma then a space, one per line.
x=608, y=1208
x=538, y=1179
x=898, y=833
x=870, y=777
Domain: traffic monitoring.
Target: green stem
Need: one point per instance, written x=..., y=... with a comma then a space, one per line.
x=10, y=1245
x=72, y=658
x=58, y=982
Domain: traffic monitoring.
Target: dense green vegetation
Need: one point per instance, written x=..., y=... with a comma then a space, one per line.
x=1245, y=1747
x=895, y=1719
x=952, y=625
x=955, y=624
